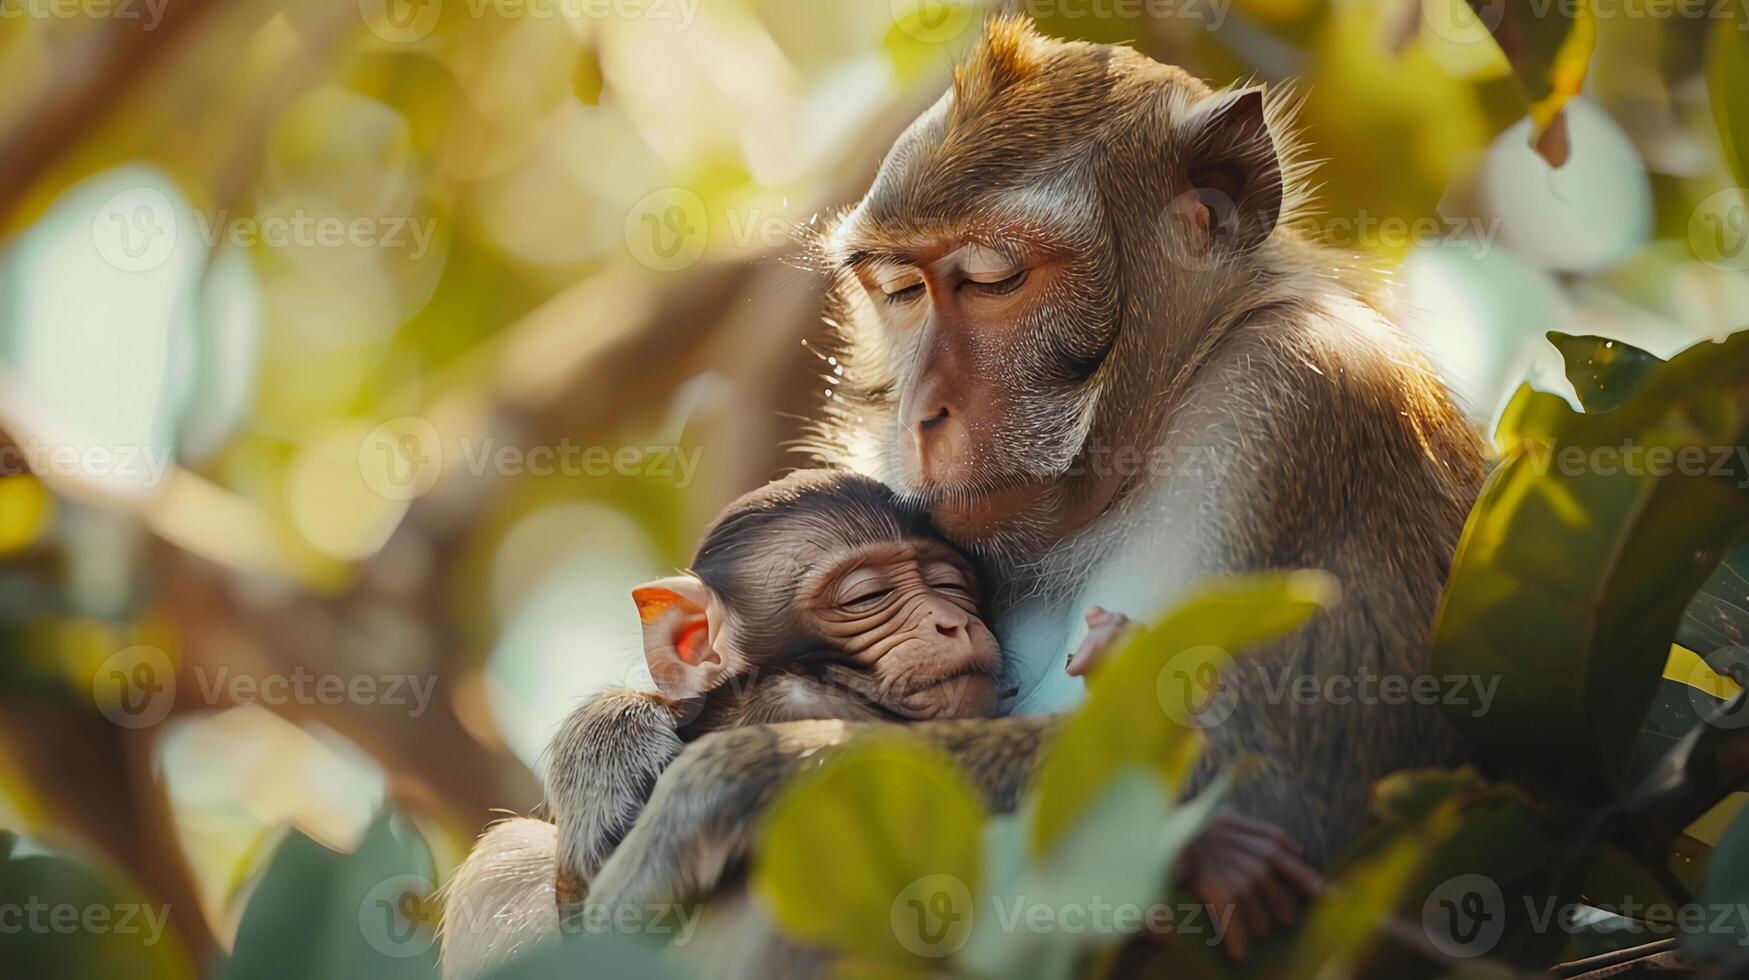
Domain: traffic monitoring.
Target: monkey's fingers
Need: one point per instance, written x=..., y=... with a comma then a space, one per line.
x=1298, y=873
x=1101, y=639
x=1260, y=829
x=1278, y=897
x=1224, y=913
x=1087, y=655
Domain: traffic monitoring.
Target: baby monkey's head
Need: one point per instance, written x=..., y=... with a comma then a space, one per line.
x=825, y=575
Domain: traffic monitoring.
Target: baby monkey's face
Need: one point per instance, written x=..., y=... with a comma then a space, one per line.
x=903, y=620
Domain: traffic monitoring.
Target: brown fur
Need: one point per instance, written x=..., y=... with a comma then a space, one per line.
x=1335, y=446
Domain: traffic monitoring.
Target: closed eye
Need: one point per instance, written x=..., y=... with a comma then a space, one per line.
x=867, y=599
x=904, y=295
x=998, y=287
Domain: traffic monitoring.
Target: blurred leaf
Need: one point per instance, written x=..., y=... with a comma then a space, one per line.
x=329, y=916
x=65, y=918
x=1726, y=887
x=1084, y=880
x=1728, y=89
x=1703, y=767
x=1492, y=861
x=1573, y=572
x=929, y=36
x=875, y=852
x=588, y=955
x=1344, y=926
x=1141, y=706
x=1549, y=50
x=1396, y=130
x=586, y=80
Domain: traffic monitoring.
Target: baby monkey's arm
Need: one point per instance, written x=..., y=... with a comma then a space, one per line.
x=602, y=765
x=608, y=754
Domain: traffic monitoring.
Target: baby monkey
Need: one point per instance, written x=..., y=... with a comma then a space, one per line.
x=818, y=596
x=821, y=596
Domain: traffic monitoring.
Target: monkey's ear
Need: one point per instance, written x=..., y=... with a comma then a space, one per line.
x=1233, y=171
x=680, y=641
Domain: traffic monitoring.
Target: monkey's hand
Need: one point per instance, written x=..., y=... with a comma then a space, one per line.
x=1250, y=875
x=1104, y=627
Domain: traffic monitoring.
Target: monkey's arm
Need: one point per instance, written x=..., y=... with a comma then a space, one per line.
x=700, y=821
x=608, y=753
x=603, y=764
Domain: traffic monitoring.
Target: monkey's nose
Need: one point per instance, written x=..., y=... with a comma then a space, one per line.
x=941, y=443
x=946, y=630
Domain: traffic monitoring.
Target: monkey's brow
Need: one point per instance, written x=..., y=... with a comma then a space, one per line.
x=862, y=258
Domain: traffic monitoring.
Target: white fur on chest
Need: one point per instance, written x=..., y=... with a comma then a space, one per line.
x=1138, y=560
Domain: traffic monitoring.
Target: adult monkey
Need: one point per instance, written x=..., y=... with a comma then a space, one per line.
x=1080, y=327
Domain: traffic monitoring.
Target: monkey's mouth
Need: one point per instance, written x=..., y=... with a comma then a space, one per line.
x=965, y=692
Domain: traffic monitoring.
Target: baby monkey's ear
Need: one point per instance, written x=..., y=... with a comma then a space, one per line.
x=681, y=644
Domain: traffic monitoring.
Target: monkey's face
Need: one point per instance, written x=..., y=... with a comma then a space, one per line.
x=977, y=281
x=996, y=334
x=1021, y=255
x=902, y=623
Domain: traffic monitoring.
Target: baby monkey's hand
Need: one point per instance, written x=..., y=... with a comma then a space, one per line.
x=1250, y=875
x=1104, y=627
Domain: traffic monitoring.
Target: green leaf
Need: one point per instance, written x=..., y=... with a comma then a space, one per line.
x=66, y=918
x=1142, y=707
x=876, y=852
x=1727, y=78
x=1580, y=557
x=1718, y=619
x=1726, y=887
x=326, y=916
x=1041, y=914
x=1491, y=862
x=1603, y=371
x=1343, y=928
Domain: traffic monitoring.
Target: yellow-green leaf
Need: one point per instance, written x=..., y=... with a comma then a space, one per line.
x=1576, y=565
x=1728, y=89
x=876, y=853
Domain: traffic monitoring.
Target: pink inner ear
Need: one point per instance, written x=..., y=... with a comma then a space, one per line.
x=690, y=644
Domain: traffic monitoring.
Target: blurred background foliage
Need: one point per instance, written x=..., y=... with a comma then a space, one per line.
x=573, y=225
